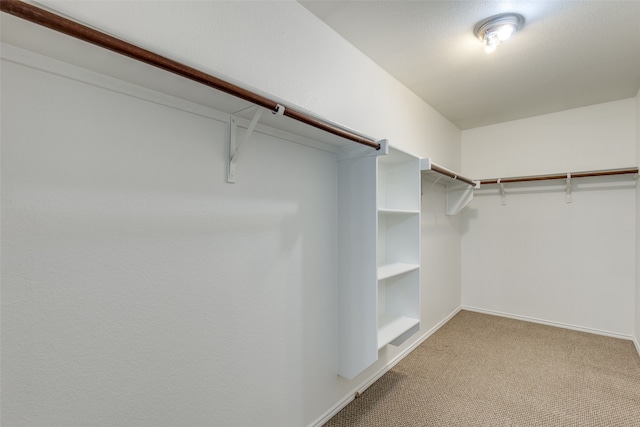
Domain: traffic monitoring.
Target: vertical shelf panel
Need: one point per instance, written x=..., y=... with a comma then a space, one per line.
x=357, y=270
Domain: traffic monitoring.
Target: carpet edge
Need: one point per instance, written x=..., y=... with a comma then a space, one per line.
x=552, y=323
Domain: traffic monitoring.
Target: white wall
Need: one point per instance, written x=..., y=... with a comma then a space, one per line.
x=538, y=256
x=637, y=313
x=441, y=266
x=280, y=48
x=595, y=137
x=140, y=288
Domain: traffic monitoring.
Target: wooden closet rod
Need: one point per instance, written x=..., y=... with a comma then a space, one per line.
x=561, y=176
x=451, y=174
x=71, y=28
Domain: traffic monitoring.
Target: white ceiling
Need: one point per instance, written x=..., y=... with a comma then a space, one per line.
x=568, y=54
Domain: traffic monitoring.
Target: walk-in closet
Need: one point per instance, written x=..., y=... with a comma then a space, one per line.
x=231, y=214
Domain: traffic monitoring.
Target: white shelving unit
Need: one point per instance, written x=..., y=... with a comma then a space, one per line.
x=379, y=262
x=398, y=247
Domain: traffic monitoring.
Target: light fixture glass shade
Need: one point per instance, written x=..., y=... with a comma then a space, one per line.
x=497, y=29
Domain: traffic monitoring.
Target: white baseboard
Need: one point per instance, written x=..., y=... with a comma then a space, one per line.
x=551, y=323
x=637, y=344
x=369, y=381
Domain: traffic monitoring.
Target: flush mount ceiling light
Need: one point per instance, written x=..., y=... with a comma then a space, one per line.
x=497, y=29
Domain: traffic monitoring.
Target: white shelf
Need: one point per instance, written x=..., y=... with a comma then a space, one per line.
x=390, y=328
x=427, y=167
x=395, y=269
x=398, y=211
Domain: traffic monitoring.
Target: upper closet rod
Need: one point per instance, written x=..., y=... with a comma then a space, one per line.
x=451, y=174
x=561, y=176
x=66, y=26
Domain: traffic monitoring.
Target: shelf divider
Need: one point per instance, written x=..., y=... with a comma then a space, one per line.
x=398, y=211
x=390, y=328
x=395, y=269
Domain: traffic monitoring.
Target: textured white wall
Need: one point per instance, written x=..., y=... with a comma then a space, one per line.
x=542, y=258
x=637, y=313
x=282, y=49
x=142, y=288
x=538, y=256
x=596, y=137
x=441, y=266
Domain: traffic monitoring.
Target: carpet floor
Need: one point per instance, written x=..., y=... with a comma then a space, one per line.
x=483, y=370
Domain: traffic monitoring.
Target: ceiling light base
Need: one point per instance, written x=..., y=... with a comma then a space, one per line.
x=498, y=29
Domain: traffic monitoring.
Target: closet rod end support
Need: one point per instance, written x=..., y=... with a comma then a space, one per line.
x=384, y=147
x=279, y=110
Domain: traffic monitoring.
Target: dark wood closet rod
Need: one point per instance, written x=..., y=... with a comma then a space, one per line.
x=451, y=174
x=71, y=28
x=560, y=176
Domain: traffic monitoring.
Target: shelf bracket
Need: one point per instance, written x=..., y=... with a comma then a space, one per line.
x=568, y=195
x=457, y=198
x=503, y=193
x=234, y=146
x=429, y=188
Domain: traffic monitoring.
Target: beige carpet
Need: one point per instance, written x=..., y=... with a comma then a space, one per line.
x=482, y=370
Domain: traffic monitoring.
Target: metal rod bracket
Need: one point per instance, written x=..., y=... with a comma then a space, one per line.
x=568, y=195
x=233, y=146
x=279, y=110
x=503, y=193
